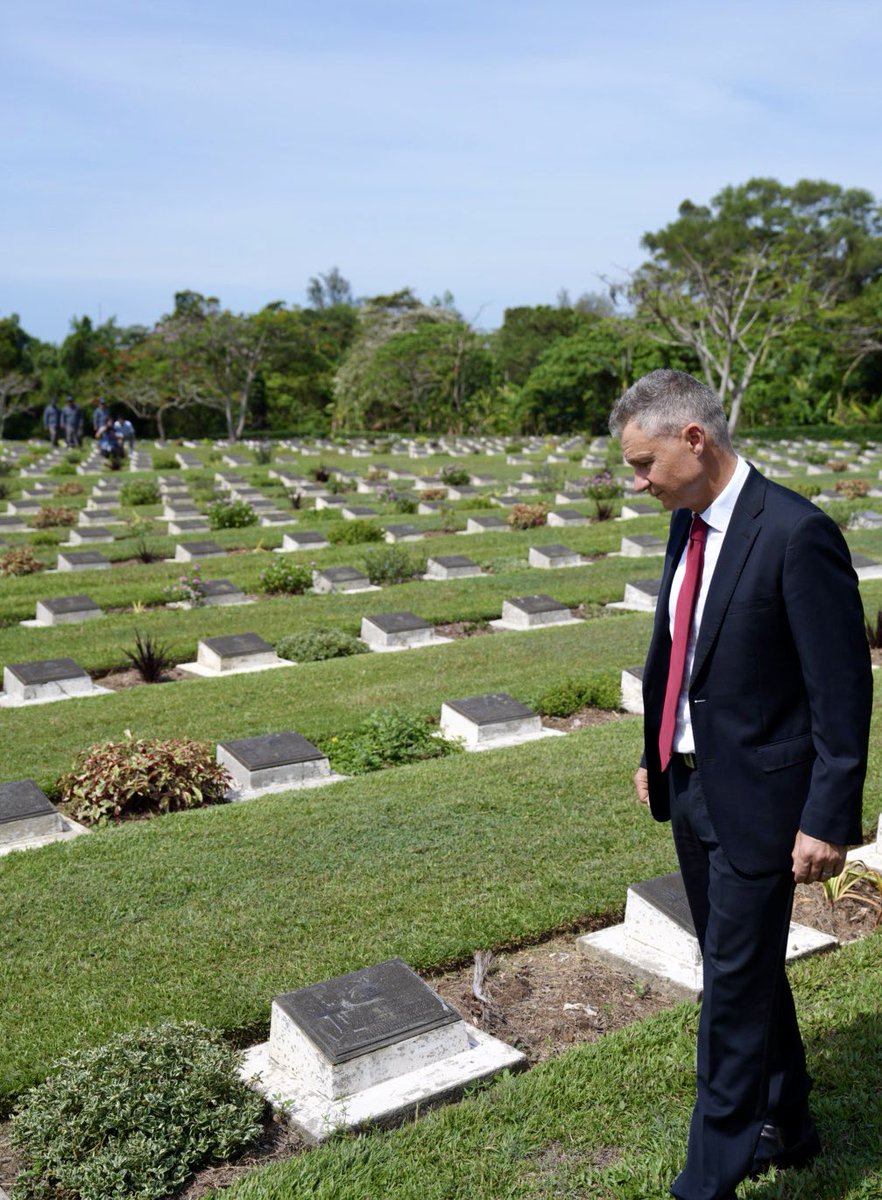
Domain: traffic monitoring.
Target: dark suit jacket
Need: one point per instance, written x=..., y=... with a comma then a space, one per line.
x=781, y=686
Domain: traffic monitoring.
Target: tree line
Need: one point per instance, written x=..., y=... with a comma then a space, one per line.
x=771, y=293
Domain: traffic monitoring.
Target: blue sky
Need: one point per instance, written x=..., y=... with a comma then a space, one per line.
x=501, y=150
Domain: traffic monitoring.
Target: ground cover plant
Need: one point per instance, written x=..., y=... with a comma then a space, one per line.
x=54, y=514
x=133, y=1117
x=20, y=560
x=353, y=533
x=283, y=576
x=316, y=645
x=393, y=564
x=150, y=658
x=231, y=514
x=138, y=492
x=388, y=737
x=115, y=780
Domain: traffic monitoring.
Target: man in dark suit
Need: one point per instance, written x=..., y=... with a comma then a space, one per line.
x=757, y=696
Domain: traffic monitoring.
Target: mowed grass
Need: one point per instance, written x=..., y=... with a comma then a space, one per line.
x=320, y=699
x=208, y=915
x=610, y=1120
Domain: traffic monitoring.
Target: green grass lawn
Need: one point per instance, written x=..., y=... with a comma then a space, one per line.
x=609, y=1121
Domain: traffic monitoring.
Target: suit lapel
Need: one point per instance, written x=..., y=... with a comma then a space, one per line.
x=737, y=544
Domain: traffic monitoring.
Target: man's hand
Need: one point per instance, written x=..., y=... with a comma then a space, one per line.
x=814, y=860
x=641, y=783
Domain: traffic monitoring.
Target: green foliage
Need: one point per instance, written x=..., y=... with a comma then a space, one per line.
x=809, y=490
x=315, y=645
x=21, y=560
x=352, y=533
x=389, y=737
x=46, y=537
x=527, y=516
x=231, y=514
x=602, y=689
x=62, y=468
x=136, y=492
x=393, y=564
x=115, y=780
x=281, y=576
x=189, y=588
x=134, y=1117
x=149, y=658
x=51, y=515
x=263, y=454
x=164, y=460
x=455, y=475
x=874, y=632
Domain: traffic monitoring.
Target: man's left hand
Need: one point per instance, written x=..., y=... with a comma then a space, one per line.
x=816, y=861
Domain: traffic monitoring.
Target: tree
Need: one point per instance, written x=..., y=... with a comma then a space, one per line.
x=325, y=291
x=17, y=369
x=524, y=336
x=728, y=280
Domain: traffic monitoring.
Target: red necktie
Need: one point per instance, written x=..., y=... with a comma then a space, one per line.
x=682, y=625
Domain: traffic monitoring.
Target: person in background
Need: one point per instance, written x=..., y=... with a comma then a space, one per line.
x=52, y=420
x=100, y=416
x=125, y=431
x=110, y=443
x=72, y=423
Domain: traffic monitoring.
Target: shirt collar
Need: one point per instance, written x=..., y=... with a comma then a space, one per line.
x=718, y=513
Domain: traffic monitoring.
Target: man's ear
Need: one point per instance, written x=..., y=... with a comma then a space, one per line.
x=695, y=436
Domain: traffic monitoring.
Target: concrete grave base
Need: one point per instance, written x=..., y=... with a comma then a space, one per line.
x=433, y=640
x=632, y=690
x=243, y=668
x=660, y=951
x=318, y=1117
x=871, y=855
x=67, y=831
x=491, y=722
x=516, y=627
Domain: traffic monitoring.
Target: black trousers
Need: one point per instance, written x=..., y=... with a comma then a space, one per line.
x=750, y=1061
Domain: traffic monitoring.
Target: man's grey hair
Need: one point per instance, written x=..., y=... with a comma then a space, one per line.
x=664, y=402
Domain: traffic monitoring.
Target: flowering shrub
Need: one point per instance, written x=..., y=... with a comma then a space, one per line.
x=189, y=588
x=20, y=561
x=231, y=514
x=602, y=486
x=527, y=516
x=282, y=576
x=114, y=780
x=51, y=515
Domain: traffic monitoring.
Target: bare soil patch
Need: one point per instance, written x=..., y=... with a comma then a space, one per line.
x=464, y=629
x=129, y=677
x=585, y=716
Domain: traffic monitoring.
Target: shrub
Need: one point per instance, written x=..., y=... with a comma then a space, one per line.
x=4, y=491
x=73, y=488
x=837, y=465
x=136, y=492
x=392, y=564
x=114, y=780
x=51, y=515
x=231, y=514
x=165, y=461
x=387, y=738
x=454, y=475
x=852, y=489
x=315, y=645
x=527, y=516
x=809, y=490
x=602, y=689
x=602, y=488
x=149, y=658
x=263, y=454
x=20, y=561
x=189, y=588
x=282, y=576
x=351, y=533
x=46, y=537
x=434, y=493
x=62, y=468
x=133, y=1117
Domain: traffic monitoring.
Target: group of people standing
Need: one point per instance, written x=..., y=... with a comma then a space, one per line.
x=114, y=436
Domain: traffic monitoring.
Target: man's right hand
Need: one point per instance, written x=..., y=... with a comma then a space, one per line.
x=641, y=783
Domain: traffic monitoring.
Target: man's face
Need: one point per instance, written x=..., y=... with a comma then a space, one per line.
x=669, y=466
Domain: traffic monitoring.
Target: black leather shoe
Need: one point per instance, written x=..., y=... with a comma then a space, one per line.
x=783, y=1148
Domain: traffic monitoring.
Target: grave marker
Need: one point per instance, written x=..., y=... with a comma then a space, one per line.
x=341, y=579
x=66, y=610
x=83, y=560
x=534, y=612
x=554, y=556
x=46, y=680
x=451, y=566
x=495, y=719
x=398, y=631
x=273, y=762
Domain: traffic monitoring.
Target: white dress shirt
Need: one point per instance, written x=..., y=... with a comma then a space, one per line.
x=716, y=516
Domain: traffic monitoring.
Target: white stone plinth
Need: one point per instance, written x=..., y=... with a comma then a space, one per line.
x=871, y=855
x=317, y=1117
